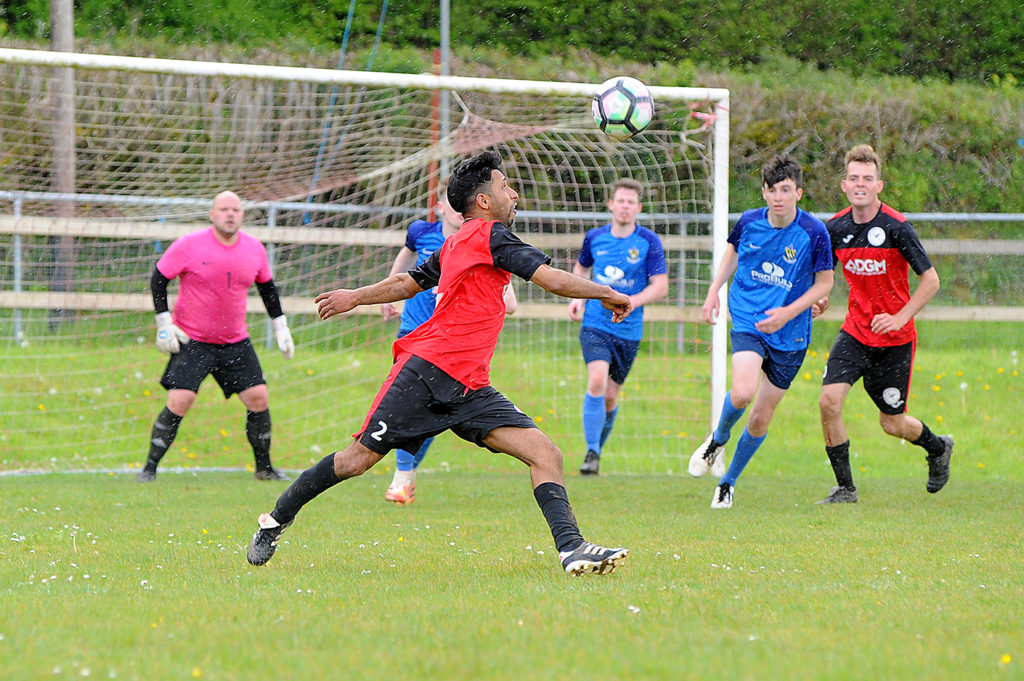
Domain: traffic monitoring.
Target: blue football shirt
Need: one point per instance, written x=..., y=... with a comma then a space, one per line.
x=625, y=264
x=775, y=266
x=424, y=238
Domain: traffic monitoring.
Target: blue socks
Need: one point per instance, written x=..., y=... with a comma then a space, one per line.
x=728, y=418
x=745, y=448
x=593, y=421
x=609, y=421
x=406, y=461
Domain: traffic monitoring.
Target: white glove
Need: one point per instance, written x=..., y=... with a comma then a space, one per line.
x=284, y=337
x=169, y=338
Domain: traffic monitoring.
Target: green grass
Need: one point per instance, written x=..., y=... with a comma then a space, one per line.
x=107, y=578
x=104, y=578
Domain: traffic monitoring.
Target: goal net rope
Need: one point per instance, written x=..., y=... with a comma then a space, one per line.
x=108, y=159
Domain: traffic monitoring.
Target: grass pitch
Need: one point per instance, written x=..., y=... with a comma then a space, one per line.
x=107, y=578
x=104, y=578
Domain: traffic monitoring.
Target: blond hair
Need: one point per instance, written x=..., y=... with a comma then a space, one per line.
x=864, y=153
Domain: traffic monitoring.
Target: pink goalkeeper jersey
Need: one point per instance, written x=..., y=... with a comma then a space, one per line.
x=215, y=281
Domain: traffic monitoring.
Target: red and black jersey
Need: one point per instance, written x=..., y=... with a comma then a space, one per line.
x=471, y=272
x=876, y=257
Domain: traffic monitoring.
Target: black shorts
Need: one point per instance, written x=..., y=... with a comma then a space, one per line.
x=418, y=401
x=234, y=366
x=886, y=370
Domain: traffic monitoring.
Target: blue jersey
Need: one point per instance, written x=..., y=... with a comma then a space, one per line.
x=774, y=268
x=424, y=238
x=625, y=264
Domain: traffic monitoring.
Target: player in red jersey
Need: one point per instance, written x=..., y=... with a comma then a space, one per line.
x=876, y=246
x=440, y=377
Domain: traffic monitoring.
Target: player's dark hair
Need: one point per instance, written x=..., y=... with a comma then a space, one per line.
x=471, y=177
x=780, y=168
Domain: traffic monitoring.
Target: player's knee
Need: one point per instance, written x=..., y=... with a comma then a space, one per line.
x=891, y=425
x=757, y=423
x=180, y=401
x=829, y=406
x=255, y=399
x=741, y=397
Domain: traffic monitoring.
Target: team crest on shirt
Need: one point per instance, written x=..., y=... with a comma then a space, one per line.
x=633, y=256
x=876, y=236
x=790, y=255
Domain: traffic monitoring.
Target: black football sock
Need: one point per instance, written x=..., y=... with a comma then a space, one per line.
x=165, y=429
x=257, y=429
x=839, y=457
x=929, y=441
x=554, y=504
x=311, y=483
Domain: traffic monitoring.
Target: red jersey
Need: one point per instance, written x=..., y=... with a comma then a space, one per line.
x=876, y=257
x=471, y=271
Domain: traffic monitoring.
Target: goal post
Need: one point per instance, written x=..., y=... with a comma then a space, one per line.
x=332, y=166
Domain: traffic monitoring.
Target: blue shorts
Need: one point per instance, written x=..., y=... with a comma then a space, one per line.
x=618, y=352
x=780, y=366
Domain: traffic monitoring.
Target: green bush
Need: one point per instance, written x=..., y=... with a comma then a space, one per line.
x=968, y=39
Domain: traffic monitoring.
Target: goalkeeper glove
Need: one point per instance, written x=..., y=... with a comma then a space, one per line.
x=284, y=337
x=169, y=338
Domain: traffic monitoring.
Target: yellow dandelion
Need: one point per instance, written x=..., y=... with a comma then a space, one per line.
x=191, y=455
x=42, y=407
x=1000, y=370
x=223, y=433
x=981, y=465
x=936, y=388
x=196, y=672
x=146, y=393
x=1006, y=659
x=205, y=531
x=1013, y=373
x=987, y=417
x=959, y=373
x=814, y=353
x=664, y=432
x=682, y=433
x=986, y=386
x=863, y=469
x=551, y=412
x=309, y=372
x=807, y=376
x=539, y=419
x=401, y=539
x=939, y=418
x=942, y=403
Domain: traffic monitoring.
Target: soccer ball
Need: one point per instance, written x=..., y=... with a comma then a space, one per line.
x=623, y=107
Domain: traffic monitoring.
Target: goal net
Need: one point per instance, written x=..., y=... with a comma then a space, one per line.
x=107, y=160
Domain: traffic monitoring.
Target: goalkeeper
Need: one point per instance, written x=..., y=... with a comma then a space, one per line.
x=207, y=333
